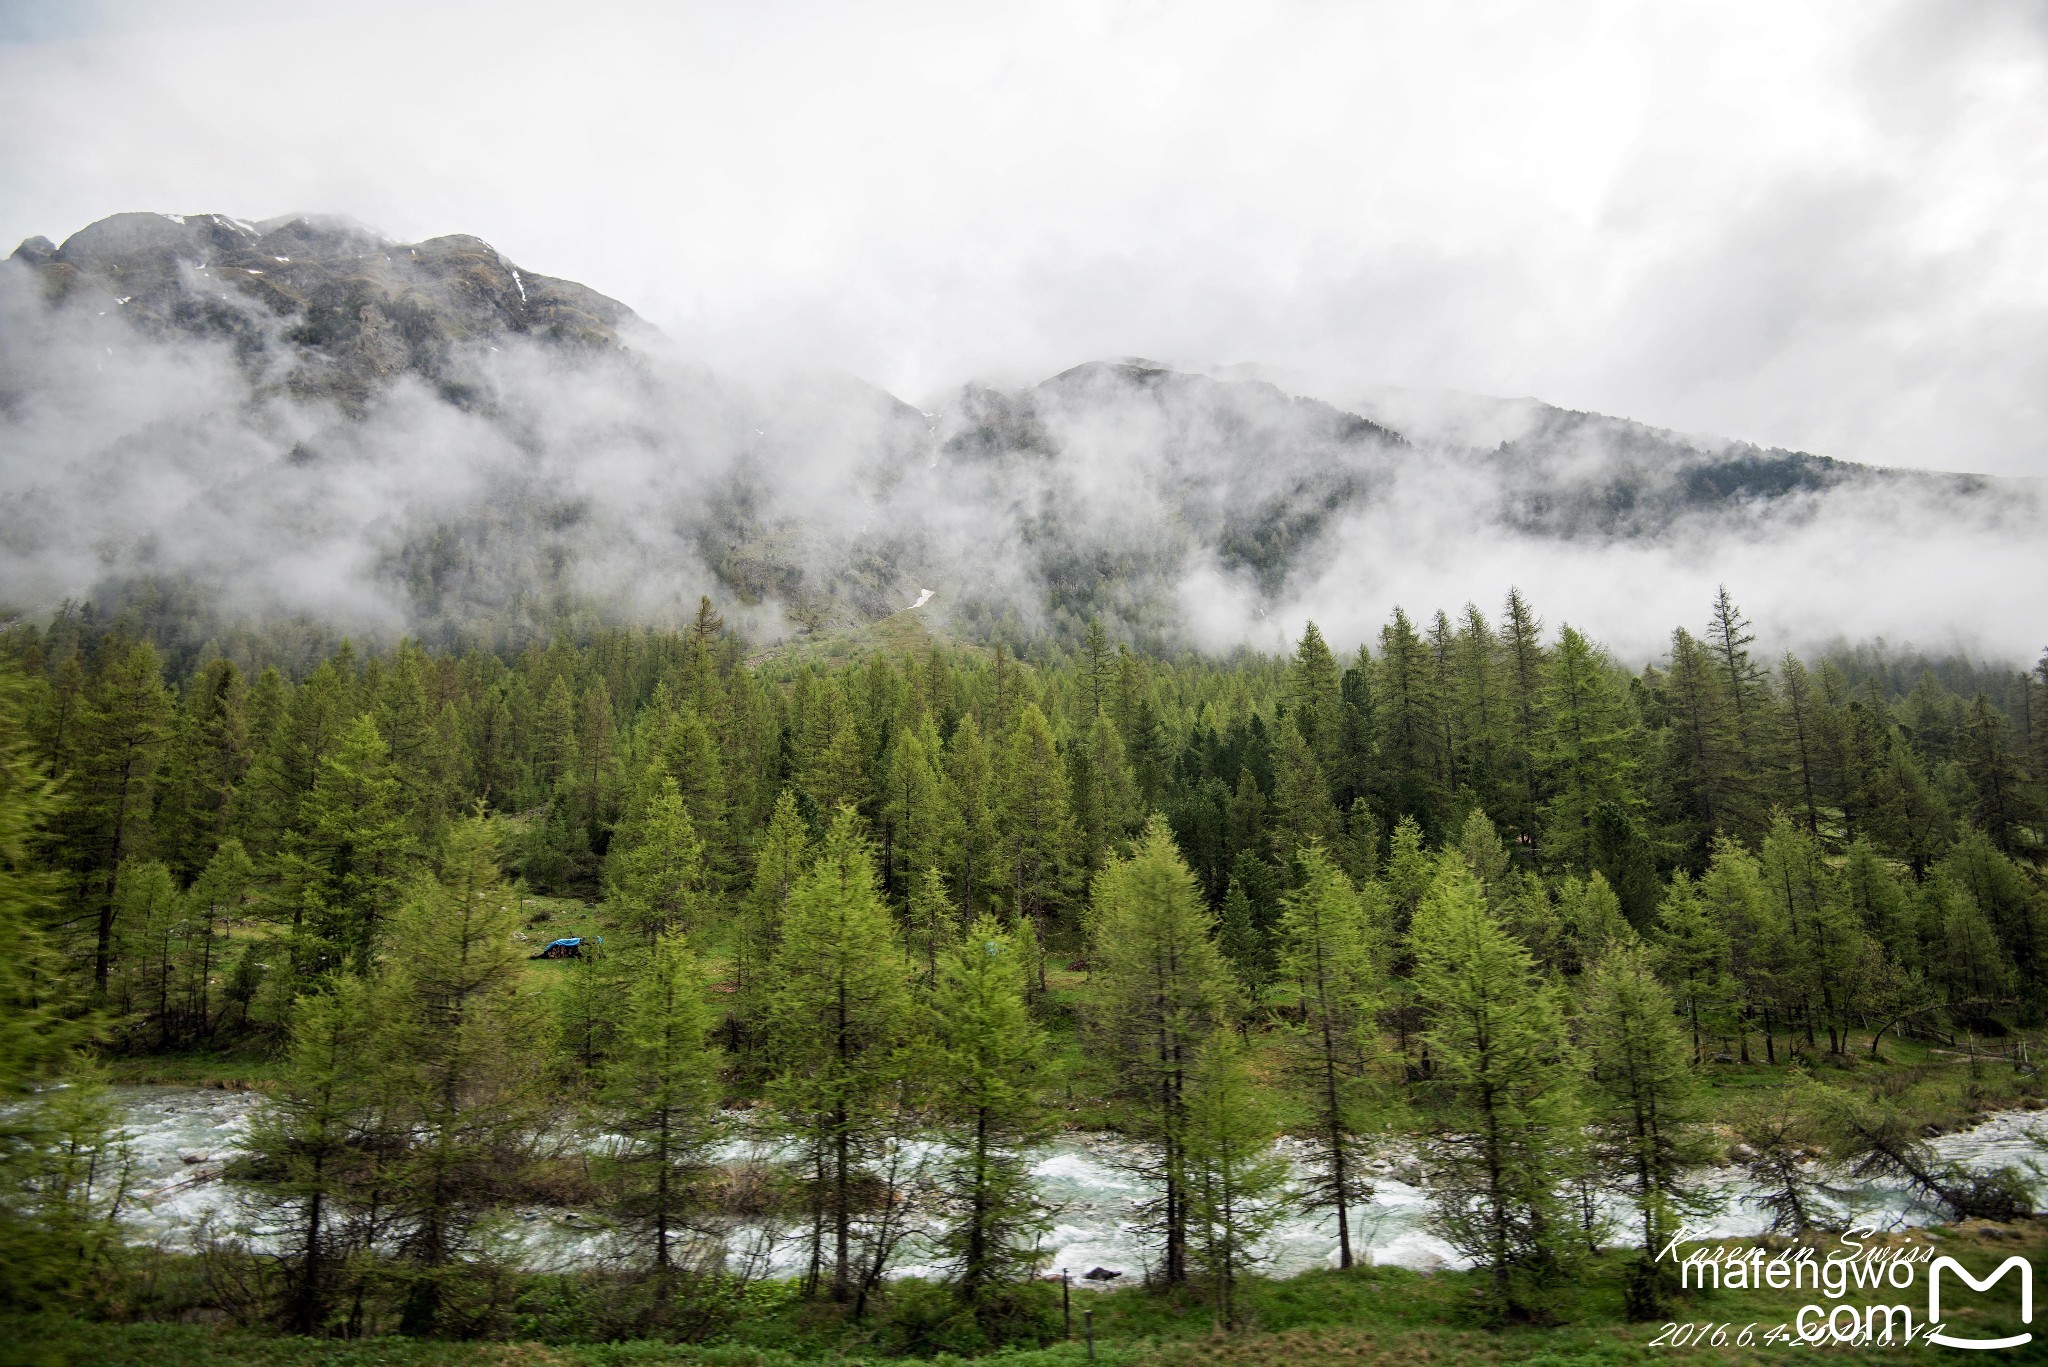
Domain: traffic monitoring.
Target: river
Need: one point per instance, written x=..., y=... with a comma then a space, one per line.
x=181, y=1137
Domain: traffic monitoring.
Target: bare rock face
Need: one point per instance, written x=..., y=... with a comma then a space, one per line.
x=320, y=305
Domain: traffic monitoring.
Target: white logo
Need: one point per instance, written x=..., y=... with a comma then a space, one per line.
x=2026, y=1300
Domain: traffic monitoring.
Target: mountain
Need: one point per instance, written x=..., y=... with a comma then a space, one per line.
x=300, y=417
x=358, y=309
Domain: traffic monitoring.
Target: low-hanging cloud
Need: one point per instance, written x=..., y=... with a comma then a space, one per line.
x=532, y=481
x=1811, y=226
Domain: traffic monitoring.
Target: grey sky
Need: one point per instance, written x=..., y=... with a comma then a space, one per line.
x=1813, y=225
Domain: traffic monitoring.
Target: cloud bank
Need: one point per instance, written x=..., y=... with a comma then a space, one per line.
x=1186, y=510
x=1813, y=226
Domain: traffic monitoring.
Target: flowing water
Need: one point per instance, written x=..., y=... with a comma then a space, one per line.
x=181, y=1137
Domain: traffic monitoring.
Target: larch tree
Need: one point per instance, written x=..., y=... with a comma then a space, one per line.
x=1814, y=941
x=205, y=763
x=1105, y=793
x=913, y=820
x=972, y=784
x=217, y=897
x=1647, y=1126
x=838, y=1015
x=1410, y=721
x=989, y=1060
x=122, y=731
x=1732, y=894
x=1588, y=757
x=311, y=1132
x=1504, y=1118
x=47, y=1128
x=1330, y=965
x=1302, y=809
x=1034, y=825
x=660, y=1097
x=361, y=841
x=1693, y=957
x=932, y=922
x=1158, y=987
x=1522, y=669
x=1235, y=1177
x=656, y=884
x=467, y=1063
x=780, y=859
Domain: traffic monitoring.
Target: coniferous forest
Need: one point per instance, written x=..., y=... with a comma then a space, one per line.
x=1555, y=932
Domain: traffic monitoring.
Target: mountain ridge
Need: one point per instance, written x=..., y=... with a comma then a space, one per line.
x=454, y=439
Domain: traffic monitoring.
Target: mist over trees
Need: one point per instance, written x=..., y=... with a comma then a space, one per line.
x=1477, y=888
x=206, y=421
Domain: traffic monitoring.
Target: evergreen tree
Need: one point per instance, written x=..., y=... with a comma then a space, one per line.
x=913, y=825
x=360, y=843
x=932, y=922
x=588, y=996
x=1480, y=846
x=1034, y=828
x=971, y=787
x=1732, y=895
x=1693, y=957
x=1235, y=1177
x=1702, y=760
x=2014, y=904
x=1523, y=668
x=1302, y=809
x=466, y=1058
x=1477, y=691
x=784, y=854
x=1158, y=987
x=216, y=898
x=151, y=949
x=1330, y=966
x=661, y=1098
x=690, y=756
x=2003, y=805
x=122, y=730
x=54, y=1243
x=838, y=1014
x=207, y=759
x=989, y=1061
x=1239, y=937
x=1105, y=792
x=1806, y=736
x=657, y=881
x=1729, y=636
x=1504, y=1116
x=314, y=1132
x=1315, y=699
x=1096, y=670
x=1588, y=753
x=1813, y=938
x=1646, y=1118
x=1410, y=724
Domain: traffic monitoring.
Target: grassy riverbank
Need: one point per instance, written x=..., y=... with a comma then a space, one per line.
x=1358, y=1319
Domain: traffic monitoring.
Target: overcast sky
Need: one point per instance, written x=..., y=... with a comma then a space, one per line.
x=1815, y=225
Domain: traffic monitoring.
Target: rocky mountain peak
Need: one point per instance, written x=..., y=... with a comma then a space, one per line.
x=321, y=303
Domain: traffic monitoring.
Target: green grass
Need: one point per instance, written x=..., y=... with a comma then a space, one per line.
x=1365, y=1316
x=556, y=918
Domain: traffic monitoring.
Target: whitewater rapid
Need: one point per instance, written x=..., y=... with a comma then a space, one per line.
x=181, y=1139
